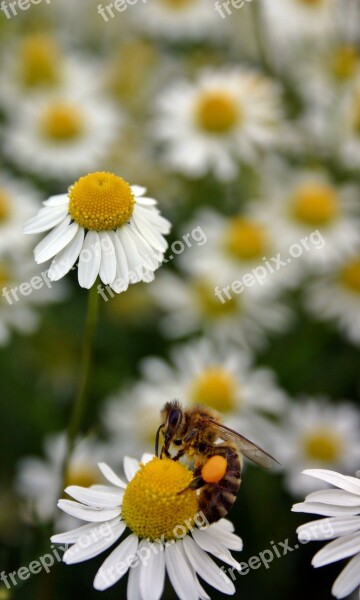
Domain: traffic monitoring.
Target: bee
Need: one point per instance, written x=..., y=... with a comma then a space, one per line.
x=193, y=432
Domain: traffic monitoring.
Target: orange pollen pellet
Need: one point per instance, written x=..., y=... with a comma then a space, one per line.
x=214, y=469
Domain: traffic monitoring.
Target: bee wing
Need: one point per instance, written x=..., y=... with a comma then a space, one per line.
x=246, y=447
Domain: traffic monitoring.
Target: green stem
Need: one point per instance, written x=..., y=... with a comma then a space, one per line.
x=82, y=394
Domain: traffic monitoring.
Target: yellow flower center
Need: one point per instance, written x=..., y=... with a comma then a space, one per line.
x=322, y=445
x=350, y=276
x=39, y=62
x=210, y=305
x=344, y=62
x=312, y=3
x=245, y=239
x=315, y=204
x=152, y=506
x=177, y=4
x=83, y=475
x=101, y=201
x=217, y=112
x=62, y=122
x=4, y=206
x=216, y=388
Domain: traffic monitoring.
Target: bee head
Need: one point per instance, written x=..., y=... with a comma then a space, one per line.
x=173, y=420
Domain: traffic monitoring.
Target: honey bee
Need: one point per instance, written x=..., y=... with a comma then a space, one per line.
x=216, y=466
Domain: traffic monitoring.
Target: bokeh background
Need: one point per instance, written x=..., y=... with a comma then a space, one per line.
x=245, y=126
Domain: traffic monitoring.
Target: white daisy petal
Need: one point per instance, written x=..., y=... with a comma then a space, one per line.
x=138, y=190
x=328, y=510
x=146, y=457
x=121, y=282
x=116, y=564
x=348, y=580
x=85, y=513
x=345, y=546
x=66, y=259
x=131, y=466
x=93, y=497
x=111, y=476
x=56, y=240
x=45, y=219
x=152, y=574
x=108, y=258
x=94, y=542
x=133, y=258
x=70, y=537
x=350, y=484
x=208, y=542
x=133, y=586
x=180, y=573
x=59, y=200
x=338, y=497
x=325, y=529
x=90, y=259
x=224, y=535
x=207, y=568
x=147, y=232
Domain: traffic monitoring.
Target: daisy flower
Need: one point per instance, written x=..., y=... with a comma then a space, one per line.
x=211, y=124
x=23, y=289
x=317, y=434
x=239, y=246
x=307, y=204
x=61, y=135
x=168, y=534
x=341, y=509
x=192, y=305
x=18, y=201
x=177, y=19
x=111, y=227
x=200, y=373
x=38, y=479
x=336, y=297
x=36, y=65
x=299, y=21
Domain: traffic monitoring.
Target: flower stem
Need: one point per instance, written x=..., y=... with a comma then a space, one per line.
x=82, y=394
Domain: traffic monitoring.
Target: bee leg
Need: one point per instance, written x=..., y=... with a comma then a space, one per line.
x=195, y=484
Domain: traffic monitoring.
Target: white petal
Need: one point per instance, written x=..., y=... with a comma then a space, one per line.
x=85, y=513
x=108, y=258
x=138, y=190
x=328, y=510
x=131, y=467
x=350, y=484
x=338, y=497
x=121, y=282
x=93, y=497
x=325, y=529
x=348, y=580
x=154, y=238
x=111, y=476
x=180, y=573
x=45, y=219
x=225, y=536
x=133, y=586
x=346, y=546
x=209, y=543
x=116, y=564
x=55, y=241
x=58, y=200
x=207, y=568
x=93, y=543
x=151, y=258
x=70, y=537
x=224, y=524
x=90, y=258
x=66, y=259
x=133, y=258
x=146, y=457
x=145, y=201
x=152, y=574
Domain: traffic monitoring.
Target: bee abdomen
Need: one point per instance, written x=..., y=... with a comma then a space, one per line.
x=215, y=501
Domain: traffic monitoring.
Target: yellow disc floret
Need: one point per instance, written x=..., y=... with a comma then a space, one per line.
x=82, y=475
x=39, y=62
x=217, y=112
x=245, y=239
x=216, y=388
x=322, y=445
x=344, y=62
x=152, y=506
x=101, y=201
x=315, y=203
x=210, y=305
x=62, y=122
x=350, y=276
x=4, y=206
